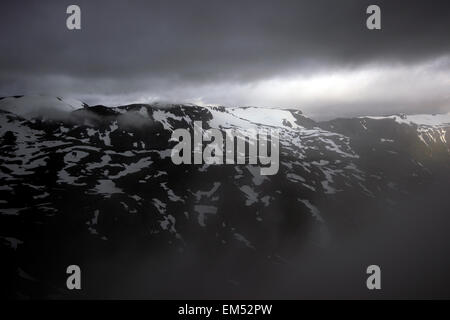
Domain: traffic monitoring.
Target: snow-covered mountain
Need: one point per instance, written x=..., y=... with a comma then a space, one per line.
x=98, y=183
x=40, y=106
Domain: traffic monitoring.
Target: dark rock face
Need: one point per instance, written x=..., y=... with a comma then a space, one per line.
x=99, y=189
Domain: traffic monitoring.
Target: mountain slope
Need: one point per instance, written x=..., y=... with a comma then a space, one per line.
x=99, y=182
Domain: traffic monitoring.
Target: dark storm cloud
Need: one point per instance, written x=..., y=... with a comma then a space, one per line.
x=132, y=47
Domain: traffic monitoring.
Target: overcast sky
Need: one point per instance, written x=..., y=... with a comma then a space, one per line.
x=317, y=56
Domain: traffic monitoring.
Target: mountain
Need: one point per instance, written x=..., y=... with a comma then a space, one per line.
x=29, y=107
x=95, y=186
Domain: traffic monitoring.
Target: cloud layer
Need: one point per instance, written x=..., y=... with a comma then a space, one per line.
x=314, y=55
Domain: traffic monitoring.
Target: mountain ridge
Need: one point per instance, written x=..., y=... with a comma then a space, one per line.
x=100, y=180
